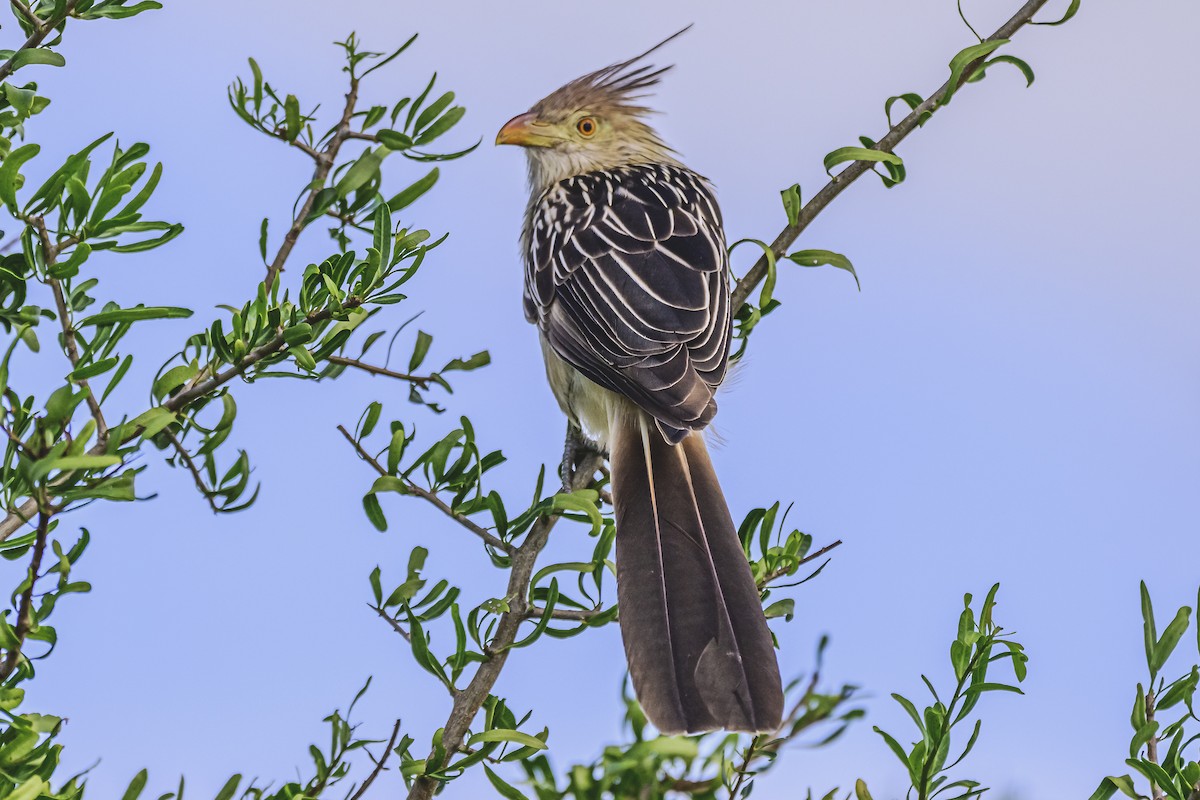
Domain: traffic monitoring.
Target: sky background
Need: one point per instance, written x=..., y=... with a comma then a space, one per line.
x=1012, y=397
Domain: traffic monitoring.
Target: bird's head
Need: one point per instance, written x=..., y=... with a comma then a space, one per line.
x=592, y=123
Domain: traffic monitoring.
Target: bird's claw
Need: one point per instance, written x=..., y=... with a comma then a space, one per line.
x=576, y=448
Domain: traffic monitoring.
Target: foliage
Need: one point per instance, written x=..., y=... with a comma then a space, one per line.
x=1175, y=772
x=70, y=447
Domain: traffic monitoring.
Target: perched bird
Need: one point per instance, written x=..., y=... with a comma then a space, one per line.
x=627, y=280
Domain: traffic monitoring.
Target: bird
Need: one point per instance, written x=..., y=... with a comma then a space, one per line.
x=627, y=281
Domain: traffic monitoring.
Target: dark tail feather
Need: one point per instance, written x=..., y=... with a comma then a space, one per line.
x=700, y=653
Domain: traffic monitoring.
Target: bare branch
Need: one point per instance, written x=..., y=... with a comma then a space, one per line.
x=395, y=625
x=431, y=497
x=378, y=764
x=25, y=607
x=186, y=458
x=421, y=380
x=779, y=247
x=779, y=572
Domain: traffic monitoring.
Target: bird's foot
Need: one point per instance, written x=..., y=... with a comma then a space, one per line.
x=577, y=449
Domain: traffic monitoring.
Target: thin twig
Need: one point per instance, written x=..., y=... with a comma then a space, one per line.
x=36, y=38
x=325, y=160
x=27, y=13
x=421, y=380
x=25, y=607
x=470, y=699
x=378, y=764
x=50, y=253
x=395, y=625
x=779, y=572
x=483, y=533
x=186, y=458
x=779, y=247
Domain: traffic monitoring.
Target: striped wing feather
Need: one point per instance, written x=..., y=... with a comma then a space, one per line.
x=627, y=277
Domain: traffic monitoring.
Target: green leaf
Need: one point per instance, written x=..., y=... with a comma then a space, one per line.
x=506, y=791
x=37, y=55
x=135, y=314
x=964, y=59
x=860, y=790
x=818, y=258
x=92, y=370
x=1170, y=638
x=1072, y=10
x=47, y=465
x=29, y=790
x=153, y=421
x=363, y=170
x=1141, y=737
x=781, y=608
x=420, y=349
x=374, y=511
x=792, y=204
x=1149, y=632
x=1109, y=786
x=911, y=99
x=10, y=173
x=291, y=112
x=976, y=688
x=407, y=197
x=1026, y=70
x=394, y=140
x=501, y=735
x=843, y=154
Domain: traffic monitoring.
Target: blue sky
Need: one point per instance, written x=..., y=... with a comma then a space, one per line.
x=1012, y=397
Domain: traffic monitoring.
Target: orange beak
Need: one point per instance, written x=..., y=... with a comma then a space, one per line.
x=527, y=131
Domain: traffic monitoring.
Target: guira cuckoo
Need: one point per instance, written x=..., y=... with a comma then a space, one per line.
x=627, y=280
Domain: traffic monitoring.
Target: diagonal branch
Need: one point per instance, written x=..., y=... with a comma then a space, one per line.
x=470, y=699
x=431, y=497
x=378, y=764
x=779, y=247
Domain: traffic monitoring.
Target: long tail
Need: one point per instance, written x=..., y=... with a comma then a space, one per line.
x=700, y=653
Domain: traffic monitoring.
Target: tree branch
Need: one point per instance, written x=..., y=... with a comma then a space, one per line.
x=25, y=607
x=50, y=253
x=431, y=497
x=779, y=572
x=204, y=384
x=469, y=700
x=897, y=133
x=186, y=458
x=27, y=13
x=421, y=380
x=378, y=764
x=395, y=625
x=35, y=38
x=325, y=160
x=1156, y=791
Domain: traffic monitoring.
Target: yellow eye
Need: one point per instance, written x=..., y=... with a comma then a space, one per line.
x=586, y=127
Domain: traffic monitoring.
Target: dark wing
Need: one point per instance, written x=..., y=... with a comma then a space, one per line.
x=627, y=278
